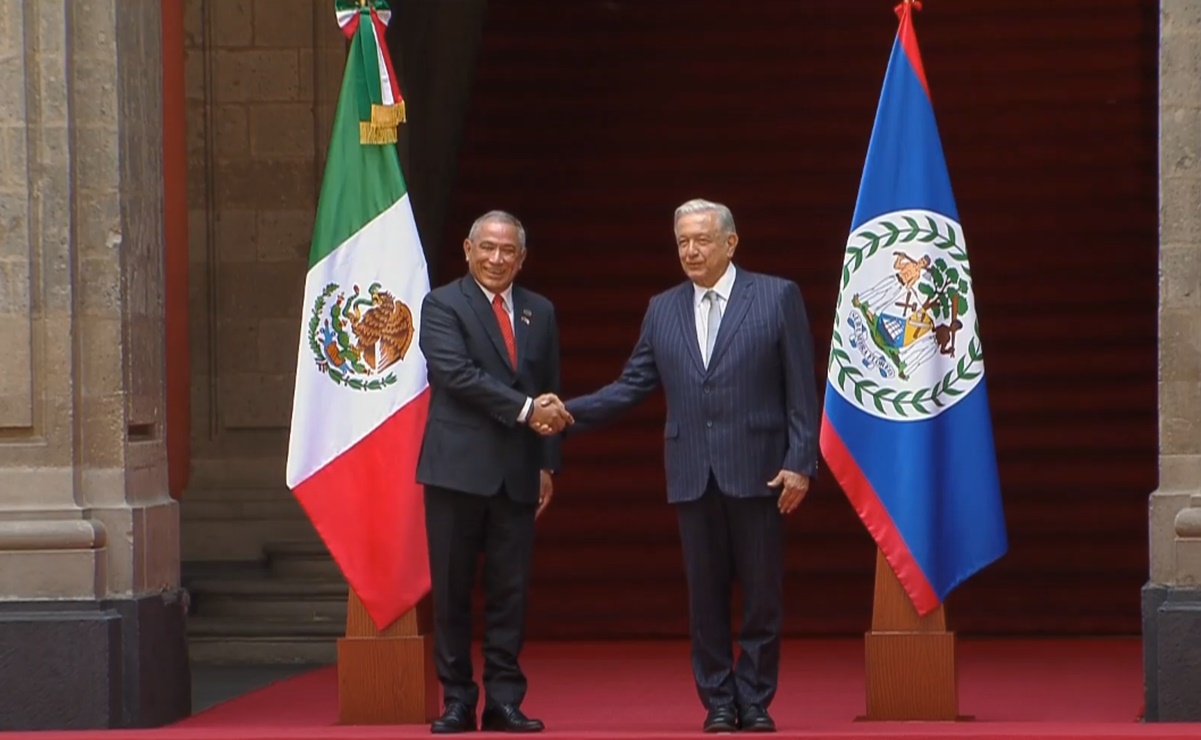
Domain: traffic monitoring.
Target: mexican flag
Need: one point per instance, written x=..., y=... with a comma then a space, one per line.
x=358, y=414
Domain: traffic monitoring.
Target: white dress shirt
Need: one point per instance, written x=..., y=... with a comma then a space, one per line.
x=700, y=307
x=506, y=300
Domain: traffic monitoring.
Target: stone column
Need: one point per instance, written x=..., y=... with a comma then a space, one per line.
x=91, y=616
x=1172, y=598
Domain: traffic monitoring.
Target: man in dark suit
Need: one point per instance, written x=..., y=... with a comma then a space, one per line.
x=492, y=350
x=733, y=353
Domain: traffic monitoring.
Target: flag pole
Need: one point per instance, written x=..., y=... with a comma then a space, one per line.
x=386, y=673
x=910, y=658
x=387, y=677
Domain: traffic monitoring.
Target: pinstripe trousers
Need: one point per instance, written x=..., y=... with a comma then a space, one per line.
x=727, y=539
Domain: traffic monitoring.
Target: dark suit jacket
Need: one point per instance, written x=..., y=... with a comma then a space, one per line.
x=752, y=412
x=473, y=441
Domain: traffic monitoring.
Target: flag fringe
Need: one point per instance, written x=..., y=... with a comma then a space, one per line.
x=388, y=115
x=370, y=133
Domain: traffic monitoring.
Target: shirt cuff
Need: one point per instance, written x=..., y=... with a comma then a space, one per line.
x=525, y=410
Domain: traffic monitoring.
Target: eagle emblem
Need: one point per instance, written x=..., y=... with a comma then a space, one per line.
x=359, y=336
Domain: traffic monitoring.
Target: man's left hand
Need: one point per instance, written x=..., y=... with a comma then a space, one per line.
x=545, y=493
x=795, y=486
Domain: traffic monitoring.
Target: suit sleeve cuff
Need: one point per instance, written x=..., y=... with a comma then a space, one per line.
x=802, y=462
x=525, y=410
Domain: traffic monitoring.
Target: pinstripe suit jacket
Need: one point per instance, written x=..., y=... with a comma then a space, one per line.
x=751, y=413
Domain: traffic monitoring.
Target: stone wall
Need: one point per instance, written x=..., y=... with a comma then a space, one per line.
x=1172, y=598
x=262, y=80
x=16, y=330
x=89, y=536
x=1180, y=288
x=81, y=309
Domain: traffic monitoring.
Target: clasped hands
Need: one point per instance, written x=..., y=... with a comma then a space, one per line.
x=548, y=415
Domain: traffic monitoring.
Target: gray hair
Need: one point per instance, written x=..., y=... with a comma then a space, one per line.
x=503, y=217
x=725, y=219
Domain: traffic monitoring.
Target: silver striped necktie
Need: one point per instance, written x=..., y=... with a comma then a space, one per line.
x=712, y=324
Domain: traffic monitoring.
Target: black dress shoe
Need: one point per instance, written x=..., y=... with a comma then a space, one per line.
x=508, y=718
x=721, y=718
x=457, y=717
x=755, y=718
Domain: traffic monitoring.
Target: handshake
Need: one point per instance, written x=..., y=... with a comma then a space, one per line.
x=548, y=415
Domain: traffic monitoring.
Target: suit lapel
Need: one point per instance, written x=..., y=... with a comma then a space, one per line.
x=741, y=296
x=483, y=311
x=687, y=316
x=521, y=328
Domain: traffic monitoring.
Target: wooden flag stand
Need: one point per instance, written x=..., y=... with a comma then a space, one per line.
x=388, y=677
x=910, y=659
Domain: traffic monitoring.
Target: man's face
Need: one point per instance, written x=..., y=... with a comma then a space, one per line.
x=495, y=257
x=705, y=252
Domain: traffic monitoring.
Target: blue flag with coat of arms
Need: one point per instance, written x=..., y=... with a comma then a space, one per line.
x=906, y=428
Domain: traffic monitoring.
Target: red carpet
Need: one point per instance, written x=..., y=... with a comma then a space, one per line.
x=626, y=691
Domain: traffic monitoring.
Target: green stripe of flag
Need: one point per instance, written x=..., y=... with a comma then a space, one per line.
x=361, y=181
x=365, y=39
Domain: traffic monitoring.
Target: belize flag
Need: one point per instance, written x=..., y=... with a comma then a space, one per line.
x=906, y=429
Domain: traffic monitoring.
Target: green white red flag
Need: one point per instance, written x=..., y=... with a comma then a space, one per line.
x=361, y=398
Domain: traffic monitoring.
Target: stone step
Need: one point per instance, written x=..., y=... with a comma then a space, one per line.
x=264, y=628
x=297, y=548
x=305, y=568
x=301, y=559
x=217, y=650
x=289, y=609
x=269, y=588
x=290, y=612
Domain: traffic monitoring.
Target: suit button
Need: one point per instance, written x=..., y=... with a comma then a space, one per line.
x=709, y=424
x=708, y=388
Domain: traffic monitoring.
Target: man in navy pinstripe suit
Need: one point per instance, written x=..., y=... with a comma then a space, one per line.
x=733, y=353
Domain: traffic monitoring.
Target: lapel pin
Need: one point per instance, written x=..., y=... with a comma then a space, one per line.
x=525, y=319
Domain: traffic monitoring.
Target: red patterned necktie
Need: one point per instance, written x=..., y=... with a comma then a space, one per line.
x=506, y=328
